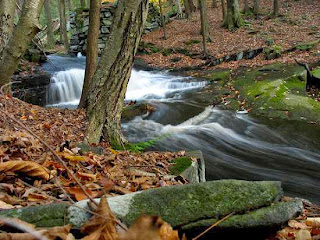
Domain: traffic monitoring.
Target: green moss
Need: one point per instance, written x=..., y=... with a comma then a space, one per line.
x=192, y=42
x=307, y=46
x=181, y=164
x=316, y=72
x=184, y=204
x=216, y=75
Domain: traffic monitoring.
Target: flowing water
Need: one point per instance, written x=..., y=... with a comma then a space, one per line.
x=234, y=145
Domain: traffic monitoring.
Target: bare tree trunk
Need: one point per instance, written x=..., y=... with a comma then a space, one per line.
x=70, y=5
x=92, y=49
x=23, y=34
x=179, y=9
x=109, y=83
x=224, y=11
x=256, y=7
x=246, y=8
x=7, y=8
x=50, y=36
x=192, y=6
x=276, y=8
x=163, y=23
x=233, y=18
x=83, y=3
x=214, y=4
x=204, y=25
x=187, y=8
x=63, y=24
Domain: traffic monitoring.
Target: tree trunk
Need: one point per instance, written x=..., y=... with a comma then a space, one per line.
x=92, y=49
x=63, y=24
x=28, y=26
x=214, y=4
x=256, y=7
x=70, y=5
x=163, y=22
x=109, y=83
x=246, y=8
x=83, y=3
x=204, y=25
x=50, y=36
x=7, y=8
x=187, y=8
x=192, y=6
x=179, y=9
x=224, y=11
x=276, y=8
x=233, y=18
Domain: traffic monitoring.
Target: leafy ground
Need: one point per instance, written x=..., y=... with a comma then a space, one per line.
x=298, y=23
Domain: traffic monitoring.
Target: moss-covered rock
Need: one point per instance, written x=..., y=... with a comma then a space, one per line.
x=275, y=214
x=41, y=216
x=180, y=165
x=179, y=205
x=135, y=110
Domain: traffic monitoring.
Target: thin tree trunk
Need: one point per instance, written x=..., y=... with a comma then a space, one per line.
x=92, y=48
x=204, y=25
x=50, y=36
x=276, y=8
x=83, y=3
x=179, y=9
x=233, y=18
x=109, y=83
x=256, y=7
x=70, y=5
x=7, y=8
x=163, y=23
x=214, y=4
x=63, y=24
x=187, y=8
x=28, y=26
x=246, y=8
x=224, y=11
x=192, y=6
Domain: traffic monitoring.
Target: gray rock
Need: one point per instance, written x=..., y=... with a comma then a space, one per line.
x=105, y=29
x=106, y=22
x=181, y=205
x=197, y=169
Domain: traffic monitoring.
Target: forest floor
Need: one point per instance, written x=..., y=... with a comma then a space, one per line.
x=297, y=24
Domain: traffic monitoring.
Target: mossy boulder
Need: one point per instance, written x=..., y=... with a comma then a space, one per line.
x=180, y=165
x=135, y=110
x=41, y=216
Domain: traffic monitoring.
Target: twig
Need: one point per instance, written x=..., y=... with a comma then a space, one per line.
x=22, y=227
x=212, y=226
x=44, y=53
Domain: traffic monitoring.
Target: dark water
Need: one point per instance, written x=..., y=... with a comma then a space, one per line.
x=234, y=145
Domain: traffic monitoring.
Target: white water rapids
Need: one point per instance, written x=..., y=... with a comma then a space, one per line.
x=234, y=145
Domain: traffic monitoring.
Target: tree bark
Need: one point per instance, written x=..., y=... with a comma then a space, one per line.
x=63, y=24
x=28, y=26
x=233, y=18
x=214, y=4
x=7, y=8
x=83, y=3
x=224, y=11
x=276, y=8
x=204, y=25
x=256, y=7
x=179, y=9
x=163, y=22
x=246, y=8
x=50, y=36
x=187, y=8
x=192, y=6
x=70, y=5
x=92, y=48
x=109, y=83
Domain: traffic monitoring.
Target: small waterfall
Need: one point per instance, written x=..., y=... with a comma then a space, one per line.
x=65, y=87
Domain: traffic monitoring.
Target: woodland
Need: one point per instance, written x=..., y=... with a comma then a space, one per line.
x=159, y=119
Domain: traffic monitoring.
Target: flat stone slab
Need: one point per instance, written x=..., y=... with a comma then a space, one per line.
x=181, y=205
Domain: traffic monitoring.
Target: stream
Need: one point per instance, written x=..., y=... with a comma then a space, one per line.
x=234, y=145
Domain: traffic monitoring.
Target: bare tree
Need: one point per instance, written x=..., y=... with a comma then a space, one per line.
x=50, y=36
x=214, y=4
x=179, y=9
x=233, y=18
x=204, y=25
x=276, y=8
x=187, y=8
x=109, y=83
x=223, y=8
x=63, y=24
x=14, y=45
x=246, y=8
x=163, y=22
x=92, y=48
x=256, y=7
x=83, y=3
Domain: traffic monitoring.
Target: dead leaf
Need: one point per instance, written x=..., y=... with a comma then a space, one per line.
x=32, y=169
x=4, y=205
x=303, y=235
x=313, y=222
